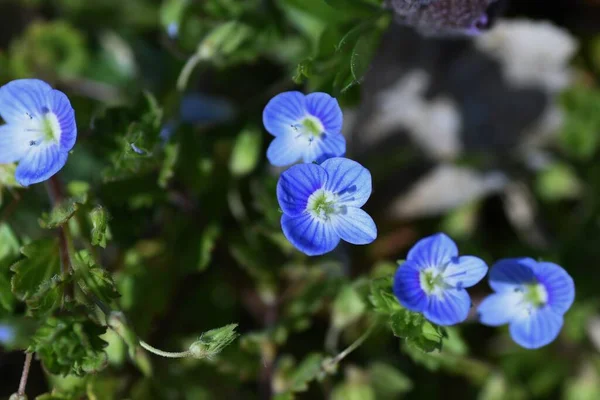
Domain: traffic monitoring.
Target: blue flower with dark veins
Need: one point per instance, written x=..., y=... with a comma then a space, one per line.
x=531, y=297
x=321, y=205
x=433, y=279
x=39, y=129
x=306, y=128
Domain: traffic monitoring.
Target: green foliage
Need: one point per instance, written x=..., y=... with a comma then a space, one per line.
x=70, y=344
x=35, y=271
x=413, y=327
x=62, y=212
x=172, y=226
x=100, y=231
x=92, y=279
x=49, y=46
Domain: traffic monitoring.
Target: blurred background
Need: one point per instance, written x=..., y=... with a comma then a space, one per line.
x=493, y=139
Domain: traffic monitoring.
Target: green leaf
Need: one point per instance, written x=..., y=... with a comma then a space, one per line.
x=211, y=233
x=362, y=54
x=100, y=231
x=168, y=167
x=211, y=343
x=94, y=279
x=307, y=371
x=70, y=345
x=407, y=324
x=381, y=297
x=246, y=152
x=348, y=307
x=41, y=263
x=61, y=213
x=388, y=382
x=48, y=297
x=558, y=182
x=9, y=244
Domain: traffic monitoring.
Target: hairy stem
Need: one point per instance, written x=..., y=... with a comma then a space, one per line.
x=56, y=194
x=25, y=374
x=168, y=354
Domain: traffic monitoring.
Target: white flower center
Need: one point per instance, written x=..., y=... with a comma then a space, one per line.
x=43, y=129
x=309, y=128
x=535, y=294
x=322, y=204
x=432, y=280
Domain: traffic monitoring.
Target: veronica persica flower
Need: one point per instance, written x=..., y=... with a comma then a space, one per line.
x=531, y=297
x=39, y=129
x=306, y=128
x=433, y=279
x=321, y=205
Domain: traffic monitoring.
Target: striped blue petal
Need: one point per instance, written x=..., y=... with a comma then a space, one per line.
x=22, y=100
x=297, y=184
x=500, y=308
x=14, y=143
x=283, y=111
x=349, y=180
x=354, y=226
x=511, y=274
x=59, y=105
x=537, y=328
x=40, y=163
x=559, y=285
x=310, y=235
x=433, y=251
x=327, y=110
x=285, y=149
x=465, y=271
x=407, y=287
x=330, y=145
x=448, y=307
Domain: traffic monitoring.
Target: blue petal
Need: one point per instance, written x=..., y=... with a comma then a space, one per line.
x=59, y=105
x=330, y=145
x=407, y=287
x=14, y=143
x=296, y=184
x=327, y=110
x=433, y=251
x=349, y=180
x=310, y=235
x=558, y=284
x=449, y=307
x=283, y=111
x=510, y=274
x=40, y=163
x=465, y=271
x=23, y=99
x=285, y=150
x=537, y=329
x=500, y=308
x=354, y=226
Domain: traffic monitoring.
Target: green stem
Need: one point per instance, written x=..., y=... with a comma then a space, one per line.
x=187, y=70
x=168, y=354
x=357, y=343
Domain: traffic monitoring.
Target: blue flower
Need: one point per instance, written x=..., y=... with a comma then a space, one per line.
x=321, y=205
x=531, y=297
x=39, y=129
x=433, y=279
x=306, y=128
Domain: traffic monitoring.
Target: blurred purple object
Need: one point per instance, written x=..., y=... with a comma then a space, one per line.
x=198, y=108
x=444, y=17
